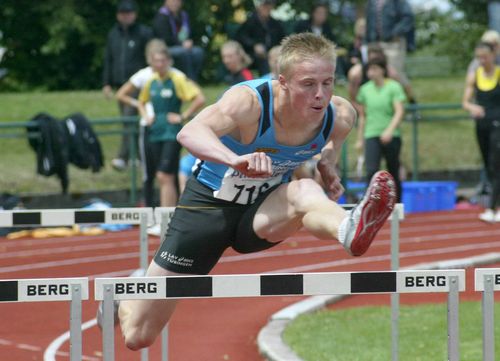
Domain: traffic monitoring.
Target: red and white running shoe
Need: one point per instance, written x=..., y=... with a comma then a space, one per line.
x=357, y=231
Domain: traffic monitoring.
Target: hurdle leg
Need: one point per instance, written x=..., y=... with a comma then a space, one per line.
x=164, y=344
x=108, y=334
x=395, y=296
x=453, y=322
x=164, y=332
x=488, y=306
x=143, y=243
x=75, y=331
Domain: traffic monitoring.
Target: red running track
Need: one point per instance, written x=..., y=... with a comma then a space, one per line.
x=208, y=329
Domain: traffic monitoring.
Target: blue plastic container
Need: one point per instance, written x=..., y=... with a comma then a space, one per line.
x=429, y=196
x=420, y=196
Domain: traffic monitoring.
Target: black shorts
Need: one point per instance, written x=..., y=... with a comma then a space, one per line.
x=202, y=227
x=163, y=157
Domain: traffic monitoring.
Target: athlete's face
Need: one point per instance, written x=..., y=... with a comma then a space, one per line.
x=160, y=63
x=231, y=59
x=310, y=86
x=375, y=72
x=485, y=56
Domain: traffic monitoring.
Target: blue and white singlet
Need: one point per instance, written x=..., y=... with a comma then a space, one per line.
x=230, y=185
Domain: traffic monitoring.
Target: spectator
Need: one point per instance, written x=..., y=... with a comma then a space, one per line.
x=484, y=86
x=357, y=75
x=273, y=58
x=494, y=15
x=387, y=24
x=127, y=95
x=491, y=37
x=173, y=26
x=166, y=91
x=260, y=33
x=381, y=113
x=235, y=61
x=124, y=55
x=317, y=22
x=357, y=50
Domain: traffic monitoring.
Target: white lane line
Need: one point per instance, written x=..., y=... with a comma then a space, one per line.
x=402, y=255
x=68, y=249
x=17, y=243
x=475, y=235
x=52, y=349
x=24, y=346
x=70, y=262
x=5, y=342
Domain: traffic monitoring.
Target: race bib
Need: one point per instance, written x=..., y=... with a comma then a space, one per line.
x=237, y=188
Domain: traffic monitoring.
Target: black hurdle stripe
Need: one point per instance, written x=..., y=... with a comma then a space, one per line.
x=189, y=287
x=90, y=217
x=367, y=282
x=26, y=218
x=282, y=285
x=8, y=291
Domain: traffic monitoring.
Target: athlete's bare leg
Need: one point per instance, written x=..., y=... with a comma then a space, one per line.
x=299, y=203
x=304, y=203
x=141, y=321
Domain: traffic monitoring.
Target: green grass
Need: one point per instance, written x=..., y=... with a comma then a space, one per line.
x=442, y=145
x=18, y=160
x=364, y=334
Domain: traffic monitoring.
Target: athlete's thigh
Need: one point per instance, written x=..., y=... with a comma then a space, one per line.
x=201, y=228
x=277, y=218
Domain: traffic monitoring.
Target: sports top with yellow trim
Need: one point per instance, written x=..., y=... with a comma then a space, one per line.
x=230, y=185
x=166, y=94
x=488, y=92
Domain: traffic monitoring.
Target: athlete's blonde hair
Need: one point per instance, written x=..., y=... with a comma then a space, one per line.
x=304, y=46
x=156, y=46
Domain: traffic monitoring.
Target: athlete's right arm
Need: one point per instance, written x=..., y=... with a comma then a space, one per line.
x=236, y=113
x=475, y=110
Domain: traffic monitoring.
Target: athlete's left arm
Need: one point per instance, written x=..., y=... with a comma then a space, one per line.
x=327, y=166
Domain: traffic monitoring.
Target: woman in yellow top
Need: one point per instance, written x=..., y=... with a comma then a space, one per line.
x=483, y=85
x=167, y=90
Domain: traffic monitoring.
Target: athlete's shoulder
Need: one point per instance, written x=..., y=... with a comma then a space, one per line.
x=345, y=112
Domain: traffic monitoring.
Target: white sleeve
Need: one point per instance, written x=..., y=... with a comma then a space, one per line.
x=140, y=78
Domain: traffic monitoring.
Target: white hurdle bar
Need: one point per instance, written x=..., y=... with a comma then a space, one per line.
x=57, y=289
x=165, y=215
x=299, y=284
x=70, y=217
x=487, y=280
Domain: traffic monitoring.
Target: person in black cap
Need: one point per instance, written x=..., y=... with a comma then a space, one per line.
x=260, y=33
x=124, y=55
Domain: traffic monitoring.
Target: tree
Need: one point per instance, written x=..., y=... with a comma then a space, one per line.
x=55, y=44
x=474, y=11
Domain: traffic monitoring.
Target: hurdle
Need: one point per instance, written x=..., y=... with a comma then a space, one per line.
x=487, y=280
x=294, y=284
x=70, y=217
x=46, y=290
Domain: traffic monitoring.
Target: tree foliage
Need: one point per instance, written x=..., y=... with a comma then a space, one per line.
x=54, y=44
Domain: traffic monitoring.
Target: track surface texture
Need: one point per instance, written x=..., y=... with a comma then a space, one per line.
x=213, y=329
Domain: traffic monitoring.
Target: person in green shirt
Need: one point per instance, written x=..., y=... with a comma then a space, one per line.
x=382, y=110
x=166, y=90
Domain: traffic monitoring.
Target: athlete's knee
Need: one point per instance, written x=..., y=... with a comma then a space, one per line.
x=304, y=186
x=165, y=178
x=300, y=191
x=137, y=338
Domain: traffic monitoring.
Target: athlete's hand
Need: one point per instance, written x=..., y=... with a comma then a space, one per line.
x=174, y=118
x=476, y=111
x=254, y=165
x=334, y=189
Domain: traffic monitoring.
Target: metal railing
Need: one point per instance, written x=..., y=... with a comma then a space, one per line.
x=11, y=130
